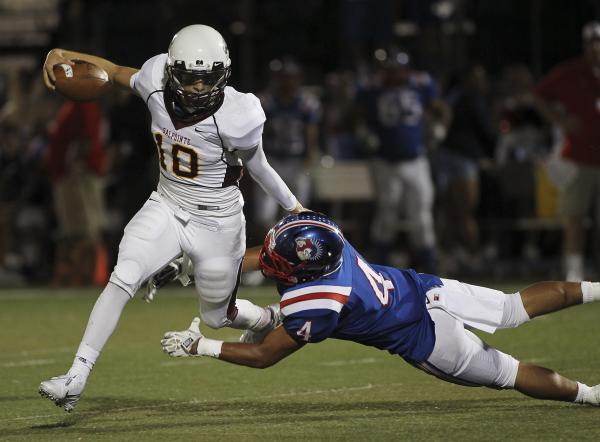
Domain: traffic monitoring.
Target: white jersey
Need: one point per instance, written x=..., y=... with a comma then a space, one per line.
x=199, y=170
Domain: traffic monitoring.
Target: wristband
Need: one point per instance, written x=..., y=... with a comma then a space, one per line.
x=590, y=291
x=209, y=347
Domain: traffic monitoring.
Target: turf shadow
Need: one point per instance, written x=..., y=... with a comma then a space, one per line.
x=108, y=414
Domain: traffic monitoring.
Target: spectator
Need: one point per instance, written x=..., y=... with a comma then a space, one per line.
x=25, y=209
x=76, y=163
x=130, y=154
x=290, y=136
x=470, y=140
x=394, y=115
x=524, y=134
x=340, y=117
x=525, y=140
x=569, y=96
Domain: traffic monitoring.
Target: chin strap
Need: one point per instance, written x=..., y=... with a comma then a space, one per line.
x=180, y=117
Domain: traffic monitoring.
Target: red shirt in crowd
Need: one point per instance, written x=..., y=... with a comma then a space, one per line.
x=576, y=86
x=76, y=123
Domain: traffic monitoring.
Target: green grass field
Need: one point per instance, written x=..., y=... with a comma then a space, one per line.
x=330, y=391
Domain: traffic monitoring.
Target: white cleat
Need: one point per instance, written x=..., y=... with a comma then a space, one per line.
x=63, y=390
x=256, y=337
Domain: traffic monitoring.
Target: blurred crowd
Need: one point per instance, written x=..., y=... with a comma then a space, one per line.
x=463, y=169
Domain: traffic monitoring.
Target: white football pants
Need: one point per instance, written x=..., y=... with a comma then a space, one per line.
x=160, y=232
x=460, y=356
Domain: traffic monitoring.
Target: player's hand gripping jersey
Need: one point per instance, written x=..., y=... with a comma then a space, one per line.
x=374, y=305
x=199, y=169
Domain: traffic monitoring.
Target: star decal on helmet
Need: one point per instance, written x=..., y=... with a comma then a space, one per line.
x=307, y=249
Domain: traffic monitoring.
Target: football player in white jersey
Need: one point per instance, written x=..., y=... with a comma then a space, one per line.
x=205, y=132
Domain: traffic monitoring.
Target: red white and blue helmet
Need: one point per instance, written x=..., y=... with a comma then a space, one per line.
x=302, y=247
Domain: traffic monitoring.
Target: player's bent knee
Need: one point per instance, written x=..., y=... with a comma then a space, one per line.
x=461, y=356
x=514, y=313
x=215, y=285
x=507, y=370
x=214, y=293
x=127, y=274
x=215, y=319
x=487, y=366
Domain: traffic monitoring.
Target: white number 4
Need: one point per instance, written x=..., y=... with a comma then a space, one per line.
x=304, y=332
x=376, y=280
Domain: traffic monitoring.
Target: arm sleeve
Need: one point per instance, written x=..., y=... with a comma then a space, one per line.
x=133, y=82
x=262, y=172
x=312, y=327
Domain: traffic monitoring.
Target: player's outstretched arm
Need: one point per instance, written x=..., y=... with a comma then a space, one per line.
x=277, y=345
x=119, y=75
x=251, y=261
x=261, y=171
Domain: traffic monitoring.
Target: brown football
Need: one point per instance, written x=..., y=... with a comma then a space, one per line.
x=82, y=81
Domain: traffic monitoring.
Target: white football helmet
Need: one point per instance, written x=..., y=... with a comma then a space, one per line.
x=197, y=53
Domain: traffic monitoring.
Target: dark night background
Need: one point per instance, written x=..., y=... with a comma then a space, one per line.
x=443, y=37
x=325, y=35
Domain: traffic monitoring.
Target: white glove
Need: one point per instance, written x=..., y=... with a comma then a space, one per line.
x=151, y=290
x=180, y=269
x=161, y=278
x=179, y=343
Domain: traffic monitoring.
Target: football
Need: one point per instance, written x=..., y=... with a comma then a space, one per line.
x=82, y=81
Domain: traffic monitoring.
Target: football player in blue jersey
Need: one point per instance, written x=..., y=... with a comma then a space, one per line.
x=397, y=111
x=329, y=291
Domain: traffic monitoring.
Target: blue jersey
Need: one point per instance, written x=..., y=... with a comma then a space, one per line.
x=395, y=115
x=284, y=134
x=373, y=305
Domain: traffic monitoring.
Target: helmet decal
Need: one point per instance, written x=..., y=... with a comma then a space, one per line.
x=307, y=249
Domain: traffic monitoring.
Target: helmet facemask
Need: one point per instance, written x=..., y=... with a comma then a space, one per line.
x=195, y=103
x=273, y=265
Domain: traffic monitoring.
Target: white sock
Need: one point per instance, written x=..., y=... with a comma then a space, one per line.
x=582, y=392
x=101, y=324
x=250, y=316
x=81, y=366
x=590, y=291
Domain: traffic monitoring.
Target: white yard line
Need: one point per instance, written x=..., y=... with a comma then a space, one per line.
x=27, y=363
x=184, y=361
x=207, y=401
x=28, y=353
x=344, y=362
